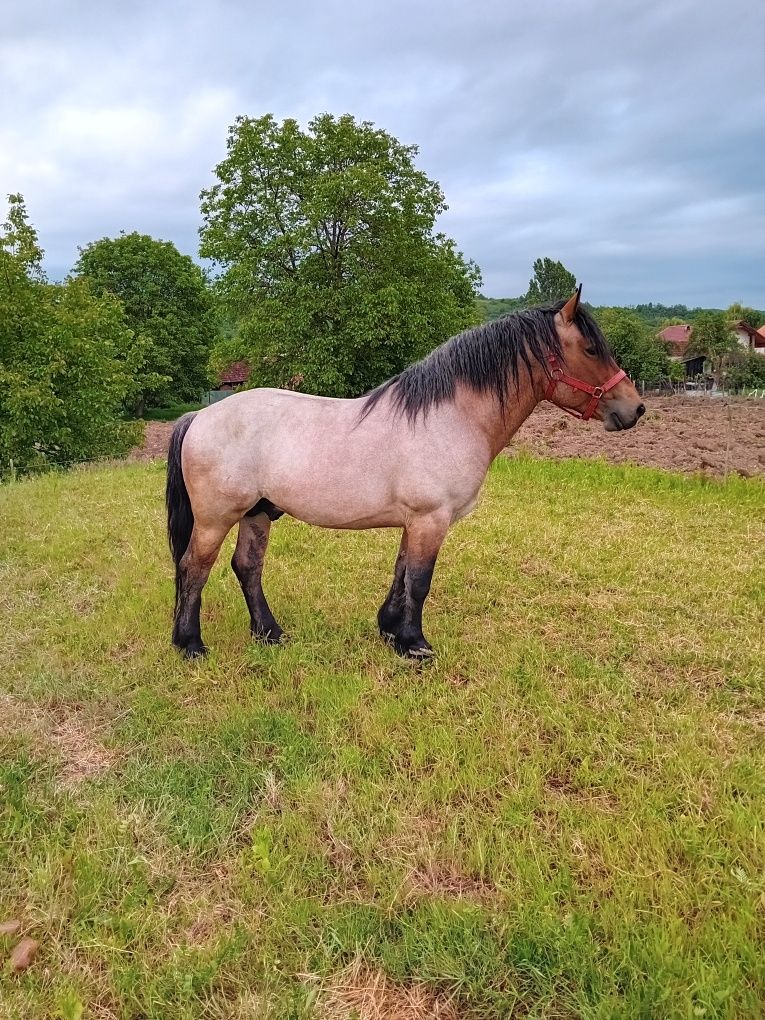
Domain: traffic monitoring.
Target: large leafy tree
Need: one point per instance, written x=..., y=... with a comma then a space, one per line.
x=329, y=261
x=551, y=282
x=741, y=313
x=635, y=344
x=712, y=336
x=67, y=360
x=167, y=302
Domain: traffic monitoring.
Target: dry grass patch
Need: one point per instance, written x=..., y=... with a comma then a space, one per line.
x=212, y=921
x=63, y=732
x=563, y=788
x=359, y=993
x=444, y=882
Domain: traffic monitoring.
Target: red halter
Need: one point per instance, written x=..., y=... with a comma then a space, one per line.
x=557, y=375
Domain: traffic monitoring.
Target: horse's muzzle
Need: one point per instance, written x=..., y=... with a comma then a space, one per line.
x=622, y=416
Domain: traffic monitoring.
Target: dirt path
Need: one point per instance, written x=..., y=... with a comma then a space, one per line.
x=677, y=433
x=156, y=440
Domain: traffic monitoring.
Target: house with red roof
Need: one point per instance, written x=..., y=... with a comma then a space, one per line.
x=676, y=338
x=749, y=338
x=234, y=376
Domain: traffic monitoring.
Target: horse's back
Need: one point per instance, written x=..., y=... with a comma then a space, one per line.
x=321, y=460
x=311, y=456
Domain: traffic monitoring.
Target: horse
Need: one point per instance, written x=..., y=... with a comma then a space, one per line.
x=411, y=454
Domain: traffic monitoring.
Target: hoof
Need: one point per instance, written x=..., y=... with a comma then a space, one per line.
x=275, y=636
x=195, y=651
x=418, y=651
x=419, y=654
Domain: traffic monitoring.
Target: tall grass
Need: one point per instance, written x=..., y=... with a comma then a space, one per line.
x=560, y=817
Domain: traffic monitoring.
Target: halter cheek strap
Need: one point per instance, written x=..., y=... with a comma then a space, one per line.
x=557, y=375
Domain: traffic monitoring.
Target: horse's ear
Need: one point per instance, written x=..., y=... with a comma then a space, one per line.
x=568, y=311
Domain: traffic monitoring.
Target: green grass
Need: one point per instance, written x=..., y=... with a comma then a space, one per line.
x=168, y=413
x=560, y=817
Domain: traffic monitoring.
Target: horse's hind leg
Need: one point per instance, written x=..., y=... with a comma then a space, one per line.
x=190, y=578
x=391, y=613
x=247, y=562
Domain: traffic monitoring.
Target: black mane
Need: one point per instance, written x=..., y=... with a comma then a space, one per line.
x=483, y=358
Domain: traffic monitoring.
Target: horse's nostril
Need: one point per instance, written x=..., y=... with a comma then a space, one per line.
x=640, y=411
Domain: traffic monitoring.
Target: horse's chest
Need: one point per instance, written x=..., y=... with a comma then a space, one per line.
x=465, y=509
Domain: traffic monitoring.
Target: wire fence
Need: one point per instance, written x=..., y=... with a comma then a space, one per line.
x=213, y=396
x=696, y=388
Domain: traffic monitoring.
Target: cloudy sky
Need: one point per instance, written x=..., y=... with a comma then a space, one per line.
x=625, y=138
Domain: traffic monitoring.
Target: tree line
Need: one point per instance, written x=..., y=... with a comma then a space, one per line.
x=328, y=275
x=655, y=315
x=633, y=331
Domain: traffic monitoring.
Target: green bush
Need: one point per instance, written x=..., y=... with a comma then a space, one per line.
x=66, y=362
x=746, y=371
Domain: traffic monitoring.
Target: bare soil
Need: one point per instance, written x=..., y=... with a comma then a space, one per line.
x=705, y=434
x=156, y=441
x=677, y=433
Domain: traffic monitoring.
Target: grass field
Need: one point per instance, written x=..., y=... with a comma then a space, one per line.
x=168, y=413
x=560, y=817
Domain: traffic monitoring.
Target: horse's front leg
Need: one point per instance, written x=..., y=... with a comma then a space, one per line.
x=424, y=537
x=391, y=613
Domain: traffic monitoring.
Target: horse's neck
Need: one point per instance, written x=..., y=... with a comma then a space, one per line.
x=483, y=413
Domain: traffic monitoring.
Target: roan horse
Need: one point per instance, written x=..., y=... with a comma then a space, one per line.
x=411, y=454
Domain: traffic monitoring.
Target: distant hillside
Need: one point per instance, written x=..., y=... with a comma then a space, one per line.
x=655, y=315
x=491, y=308
x=652, y=314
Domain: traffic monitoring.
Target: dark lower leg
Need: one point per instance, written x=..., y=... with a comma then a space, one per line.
x=247, y=562
x=187, y=632
x=190, y=578
x=423, y=541
x=408, y=638
x=391, y=612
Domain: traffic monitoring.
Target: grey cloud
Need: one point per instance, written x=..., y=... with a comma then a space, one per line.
x=625, y=138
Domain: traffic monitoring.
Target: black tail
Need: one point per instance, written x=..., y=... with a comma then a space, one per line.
x=180, y=519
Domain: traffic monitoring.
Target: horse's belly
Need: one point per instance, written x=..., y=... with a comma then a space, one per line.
x=354, y=521
x=364, y=489
x=334, y=495
x=331, y=506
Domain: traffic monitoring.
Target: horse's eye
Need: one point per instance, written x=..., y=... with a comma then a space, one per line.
x=591, y=351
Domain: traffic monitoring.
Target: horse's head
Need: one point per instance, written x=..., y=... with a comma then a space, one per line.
x=587, y=382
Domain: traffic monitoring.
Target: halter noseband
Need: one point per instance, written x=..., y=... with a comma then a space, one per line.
x=557, y=375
